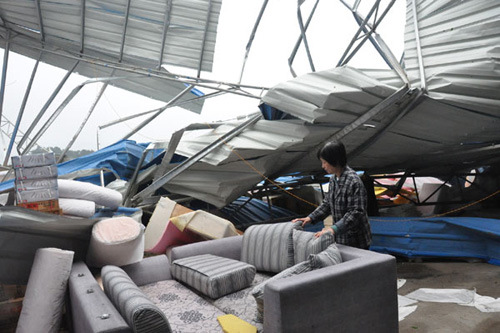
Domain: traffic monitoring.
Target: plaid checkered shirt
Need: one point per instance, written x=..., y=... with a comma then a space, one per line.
x=346, y=201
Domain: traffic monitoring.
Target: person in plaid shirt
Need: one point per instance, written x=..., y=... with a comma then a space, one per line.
x=346, y=200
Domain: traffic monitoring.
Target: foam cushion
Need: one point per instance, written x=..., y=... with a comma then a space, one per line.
x=137, y=309
x=258, y=290
x=45, y=293
x=213, y=276
x=269, y=247
x=305, y=243
x=116, y=241
x=330, y=256
x=77, y=207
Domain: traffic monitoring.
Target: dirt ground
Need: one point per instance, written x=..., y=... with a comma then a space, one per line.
x=445, y=317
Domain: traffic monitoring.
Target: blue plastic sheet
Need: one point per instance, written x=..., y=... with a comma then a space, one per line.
x=451, y=237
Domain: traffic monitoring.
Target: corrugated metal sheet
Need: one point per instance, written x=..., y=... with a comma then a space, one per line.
x=103, y=24
x=451, y=125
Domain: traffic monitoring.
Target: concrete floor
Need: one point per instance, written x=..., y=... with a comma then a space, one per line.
x=444, y=317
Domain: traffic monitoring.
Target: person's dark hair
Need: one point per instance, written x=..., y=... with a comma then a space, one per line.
x=334, y=153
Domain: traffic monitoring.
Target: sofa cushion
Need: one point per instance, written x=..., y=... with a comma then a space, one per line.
x=186, y=311
x=269, y=247
x=139, y=312
x=213, y=276
x=305, y=243
x=258, y=290
x=328, y=257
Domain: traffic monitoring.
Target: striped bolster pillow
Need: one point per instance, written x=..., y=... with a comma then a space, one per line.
x=213, y=276
x=269, y=247
x=139, y=312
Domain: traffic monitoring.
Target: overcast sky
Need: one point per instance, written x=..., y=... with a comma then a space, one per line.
x=329, y=33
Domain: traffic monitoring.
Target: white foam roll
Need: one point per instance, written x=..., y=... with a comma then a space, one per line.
x=77, y=207
x=116, y=241
x=102, y=196
x=45, y=293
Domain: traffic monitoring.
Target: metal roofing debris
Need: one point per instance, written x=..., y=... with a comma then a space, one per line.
x=107, y=35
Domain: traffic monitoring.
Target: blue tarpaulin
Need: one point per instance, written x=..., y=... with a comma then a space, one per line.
x=452, y=237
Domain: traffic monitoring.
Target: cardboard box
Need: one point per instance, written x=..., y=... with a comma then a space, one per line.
x=48, y=206
x=43, y=194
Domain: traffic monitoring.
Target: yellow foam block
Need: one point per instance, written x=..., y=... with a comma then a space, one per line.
x=232, y=324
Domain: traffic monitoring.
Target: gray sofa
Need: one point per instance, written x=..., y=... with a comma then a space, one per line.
x=357, y=295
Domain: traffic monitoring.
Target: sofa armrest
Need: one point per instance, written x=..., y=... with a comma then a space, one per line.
x=228, y=247
x=149, y=270
x=91, y=309
x=354, y=296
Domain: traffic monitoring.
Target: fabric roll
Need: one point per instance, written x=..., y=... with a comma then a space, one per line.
x=77, y=207
x=102, y=196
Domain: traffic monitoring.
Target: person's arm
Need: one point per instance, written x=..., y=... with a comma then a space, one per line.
x=356, y=209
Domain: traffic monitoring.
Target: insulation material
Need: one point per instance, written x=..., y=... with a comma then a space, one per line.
x=458, y=296
x=116, y=241
x=44, y=299
x=102, y=196
x=77, y=207
x=205, y=224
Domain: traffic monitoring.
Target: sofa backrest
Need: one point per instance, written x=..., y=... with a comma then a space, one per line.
x=269, y=247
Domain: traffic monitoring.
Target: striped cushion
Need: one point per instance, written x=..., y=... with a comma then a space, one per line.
x=137, y=310
x=304, y=244
x=330, y=256
x=213, y=276
x=269, y=247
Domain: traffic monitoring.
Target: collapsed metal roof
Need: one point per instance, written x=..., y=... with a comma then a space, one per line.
x=116, y=38
x=436, y=111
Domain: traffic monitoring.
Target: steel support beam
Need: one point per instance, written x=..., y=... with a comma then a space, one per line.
x=252, y=36
x=166, y=25
x=45, y=107
x=423, y=81
x=299, y=40
x=40, y=20
x=82, y=31
x=4, y=71
x=82, y=125
x=202, y=53
x=160, y=182
x=303, y=34
x=124, y=33
x=158, y=112
x=21, y=110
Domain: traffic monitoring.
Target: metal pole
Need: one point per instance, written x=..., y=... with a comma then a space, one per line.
x=91, y=110
x=204, y=37
x=4, y=71
x=303, y=34
x=355, y=37
x=82, y=31
x=166, y=25
x=419, y=48
x=299, y=40
x=21, y=110
x=40, y=20
x=157, y=113
x=133, y=179
x=46, y=106
x=124, y=31
x=252, y=36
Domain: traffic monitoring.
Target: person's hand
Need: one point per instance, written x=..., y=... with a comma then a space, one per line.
x=304, y=220
x=324, y=231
